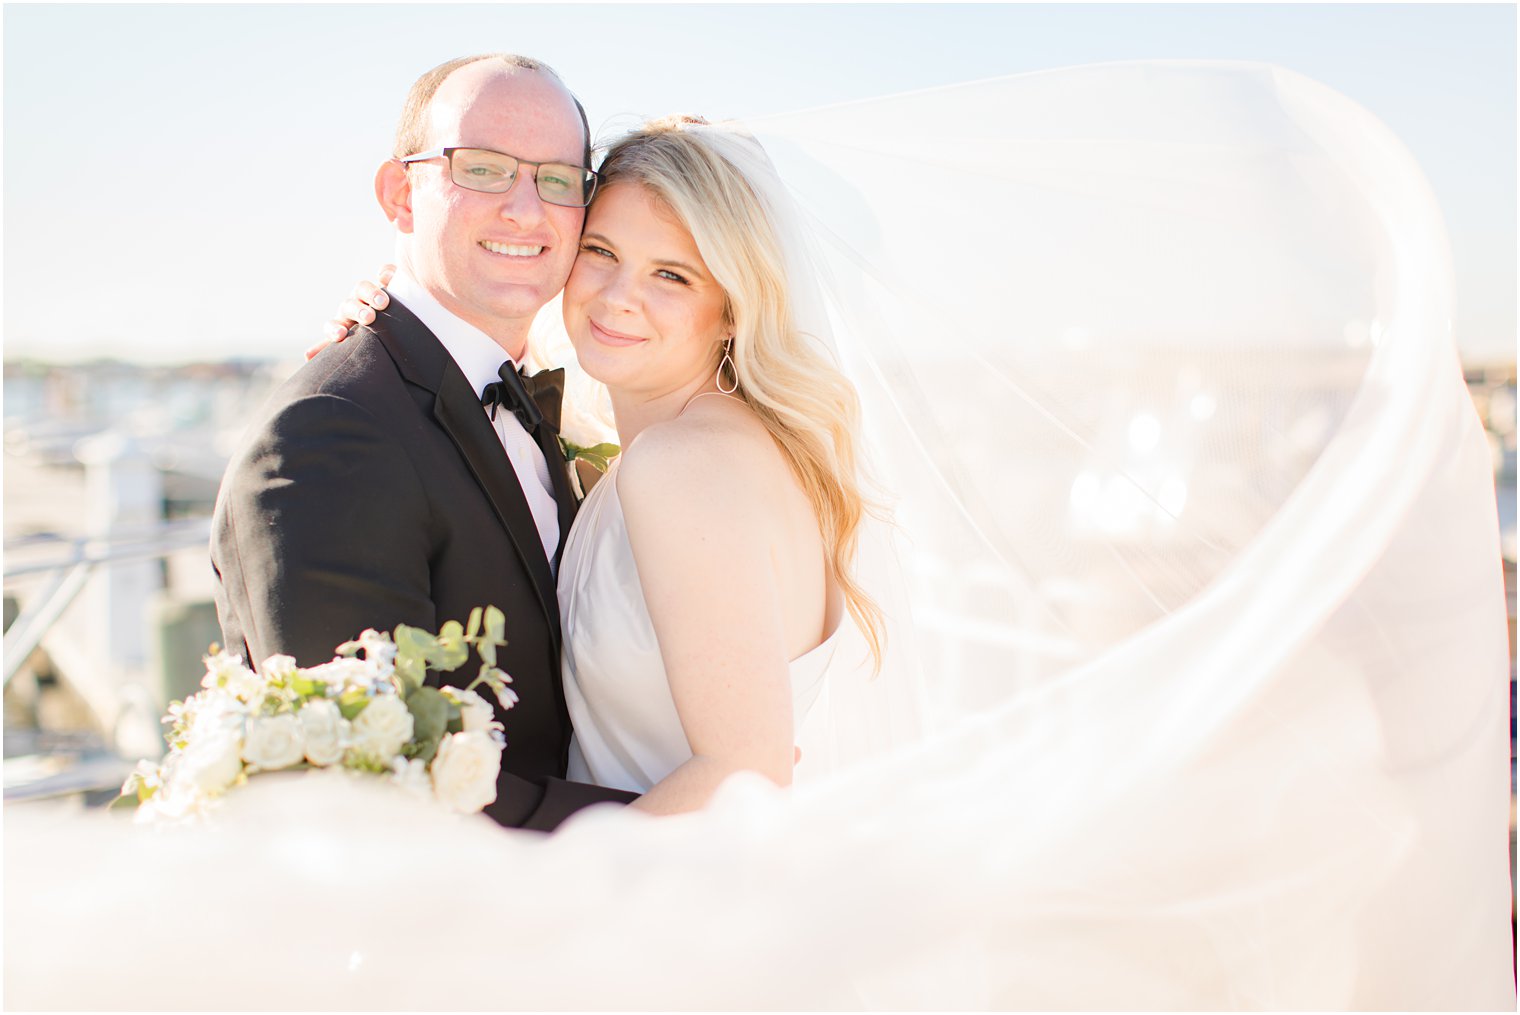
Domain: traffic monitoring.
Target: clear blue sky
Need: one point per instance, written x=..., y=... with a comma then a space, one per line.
x=193, y=182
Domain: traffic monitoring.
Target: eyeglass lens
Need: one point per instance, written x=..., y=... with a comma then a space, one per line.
x=493, y=173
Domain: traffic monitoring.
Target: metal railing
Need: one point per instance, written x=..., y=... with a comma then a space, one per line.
x=67, y=569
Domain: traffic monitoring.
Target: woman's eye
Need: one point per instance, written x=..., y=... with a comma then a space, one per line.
x=663, y=273
x=592, y=248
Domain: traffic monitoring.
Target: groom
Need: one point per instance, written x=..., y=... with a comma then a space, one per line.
x=378, y=491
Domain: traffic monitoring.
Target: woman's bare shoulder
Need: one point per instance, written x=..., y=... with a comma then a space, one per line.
x=717, y=453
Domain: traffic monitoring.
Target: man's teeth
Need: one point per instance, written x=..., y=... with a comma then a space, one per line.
x=511, y=250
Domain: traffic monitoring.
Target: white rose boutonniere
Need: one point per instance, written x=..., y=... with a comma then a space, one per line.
x=586, y=433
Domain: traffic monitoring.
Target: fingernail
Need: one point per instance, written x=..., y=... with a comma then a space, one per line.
x=381, y=299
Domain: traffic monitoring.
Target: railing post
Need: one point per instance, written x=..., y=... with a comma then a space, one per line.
x=125, y=493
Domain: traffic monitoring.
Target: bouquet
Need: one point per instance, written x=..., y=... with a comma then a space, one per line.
x=367, y=711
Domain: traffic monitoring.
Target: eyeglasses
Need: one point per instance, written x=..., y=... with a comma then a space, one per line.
x=494, y=173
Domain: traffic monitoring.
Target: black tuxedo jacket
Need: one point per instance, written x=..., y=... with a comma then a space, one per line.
x=375, y=492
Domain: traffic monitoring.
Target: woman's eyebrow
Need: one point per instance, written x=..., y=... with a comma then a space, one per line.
x=691, y=269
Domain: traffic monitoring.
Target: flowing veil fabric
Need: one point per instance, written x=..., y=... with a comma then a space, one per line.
x=1200, y=564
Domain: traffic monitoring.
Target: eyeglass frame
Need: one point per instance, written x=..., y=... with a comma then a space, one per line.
x=594, y=178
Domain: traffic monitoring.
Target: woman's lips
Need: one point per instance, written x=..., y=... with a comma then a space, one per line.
x=608, y=337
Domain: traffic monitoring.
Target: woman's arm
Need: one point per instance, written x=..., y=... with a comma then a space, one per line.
x=697, y=503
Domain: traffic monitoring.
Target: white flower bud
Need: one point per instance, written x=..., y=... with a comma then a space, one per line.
x=412, y=776
x=474, y=711
x=228, y=672
x=506, y=696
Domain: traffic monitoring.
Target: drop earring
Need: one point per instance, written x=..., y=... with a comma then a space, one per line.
x=728, y=361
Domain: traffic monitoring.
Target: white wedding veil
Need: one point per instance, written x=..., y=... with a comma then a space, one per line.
x=1196, y=552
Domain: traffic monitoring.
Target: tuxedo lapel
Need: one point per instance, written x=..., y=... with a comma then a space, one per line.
x=458, y=411
x=422, y=360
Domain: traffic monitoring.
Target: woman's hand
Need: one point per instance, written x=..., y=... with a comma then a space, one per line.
x=359, y=308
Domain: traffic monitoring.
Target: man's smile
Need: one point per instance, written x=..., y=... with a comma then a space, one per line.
x=512, y=249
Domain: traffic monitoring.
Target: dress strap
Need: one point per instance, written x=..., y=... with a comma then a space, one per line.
x=699, y=394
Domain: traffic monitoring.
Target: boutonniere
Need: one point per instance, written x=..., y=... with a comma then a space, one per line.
x=597, y=456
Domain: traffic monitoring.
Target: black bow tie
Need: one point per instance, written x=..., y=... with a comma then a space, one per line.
x=533, y=400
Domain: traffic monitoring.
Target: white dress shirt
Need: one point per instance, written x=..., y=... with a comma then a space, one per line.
x=480, y=359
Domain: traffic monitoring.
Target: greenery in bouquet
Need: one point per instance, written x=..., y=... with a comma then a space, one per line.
x=369, y=710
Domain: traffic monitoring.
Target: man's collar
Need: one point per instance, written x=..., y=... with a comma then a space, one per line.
x=478, y=357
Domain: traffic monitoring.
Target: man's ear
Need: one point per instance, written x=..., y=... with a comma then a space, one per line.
x=393, y=189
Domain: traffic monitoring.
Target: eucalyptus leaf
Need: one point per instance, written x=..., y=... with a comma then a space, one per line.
x=496, y=625
x=427, y=750
x=453, y=649
x=413, y=647
x=430, y=713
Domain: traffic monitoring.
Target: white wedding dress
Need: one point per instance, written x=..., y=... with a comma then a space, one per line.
x=1203, y=569
x=627, y=733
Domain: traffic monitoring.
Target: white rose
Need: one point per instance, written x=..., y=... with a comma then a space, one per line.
x=383, y=727
x=209, y=763
x=475, y=713
x=323, y=726
x=465, y=770
x=274, y=741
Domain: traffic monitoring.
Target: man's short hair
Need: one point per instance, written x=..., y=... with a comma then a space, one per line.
x=412, y=131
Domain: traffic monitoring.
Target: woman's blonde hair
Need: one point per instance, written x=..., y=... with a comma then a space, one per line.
x=807, y=404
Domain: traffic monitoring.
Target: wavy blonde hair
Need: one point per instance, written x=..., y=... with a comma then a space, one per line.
x=784, y=375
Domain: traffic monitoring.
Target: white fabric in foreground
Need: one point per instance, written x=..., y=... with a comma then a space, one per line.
x=1204, y=567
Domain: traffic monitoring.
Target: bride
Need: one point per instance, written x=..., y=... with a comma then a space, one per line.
x=704, y=583
x=1155, y=362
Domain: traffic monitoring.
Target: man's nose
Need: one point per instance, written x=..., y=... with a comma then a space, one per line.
x=521, y=204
